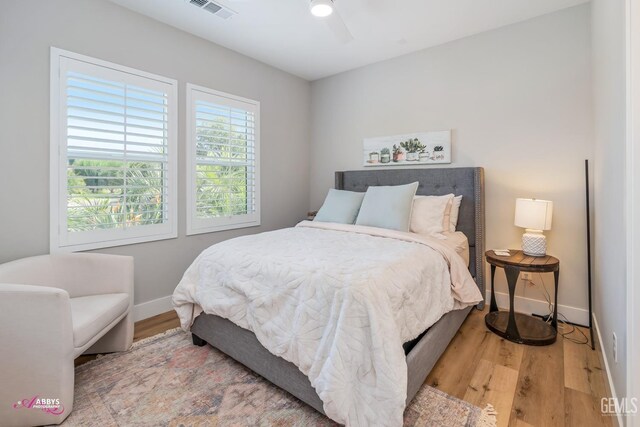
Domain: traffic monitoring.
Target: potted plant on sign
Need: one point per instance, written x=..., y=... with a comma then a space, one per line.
x=385, y=155
x=413, y=147
x=398, y=153
x=438, y=152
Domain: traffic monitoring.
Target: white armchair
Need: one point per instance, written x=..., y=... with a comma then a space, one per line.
x=54, y=308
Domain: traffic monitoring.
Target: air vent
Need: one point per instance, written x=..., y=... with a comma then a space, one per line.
x=212, y=7
x=217, y=9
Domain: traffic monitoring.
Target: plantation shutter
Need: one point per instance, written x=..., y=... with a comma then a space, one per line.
x=117, y=156
x=223, y=151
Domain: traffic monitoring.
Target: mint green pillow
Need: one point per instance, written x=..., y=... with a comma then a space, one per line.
x=388, y=207
x=340, y=206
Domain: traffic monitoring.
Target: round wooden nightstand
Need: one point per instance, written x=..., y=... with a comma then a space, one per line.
x=518, y=327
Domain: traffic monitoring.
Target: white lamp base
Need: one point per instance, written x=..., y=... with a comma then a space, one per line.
x=534, y=243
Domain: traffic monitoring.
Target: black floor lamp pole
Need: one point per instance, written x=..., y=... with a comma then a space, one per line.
x=586, y=175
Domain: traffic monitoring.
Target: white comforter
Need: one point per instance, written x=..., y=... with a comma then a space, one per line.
x=336, y=300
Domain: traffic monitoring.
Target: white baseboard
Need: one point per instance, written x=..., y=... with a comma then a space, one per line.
x=152, y=308
x=576, y=315
x=606, y=367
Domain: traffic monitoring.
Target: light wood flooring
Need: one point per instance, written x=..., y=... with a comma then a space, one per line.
x=556, y=385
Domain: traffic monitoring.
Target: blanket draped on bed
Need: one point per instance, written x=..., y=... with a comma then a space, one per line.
x=336, y=300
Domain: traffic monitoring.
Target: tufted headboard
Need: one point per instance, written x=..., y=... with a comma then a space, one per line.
x=468, y=182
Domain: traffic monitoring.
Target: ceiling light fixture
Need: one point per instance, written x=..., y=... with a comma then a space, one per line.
x=321, y=8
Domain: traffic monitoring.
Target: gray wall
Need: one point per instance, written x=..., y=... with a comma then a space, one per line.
x=519, y=102
x=609, y=85
x=106, y=31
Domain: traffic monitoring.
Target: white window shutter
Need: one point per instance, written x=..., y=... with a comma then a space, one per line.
x=116, y=140
x=223, y=161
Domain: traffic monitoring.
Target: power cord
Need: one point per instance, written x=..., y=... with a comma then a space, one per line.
x=563, y=322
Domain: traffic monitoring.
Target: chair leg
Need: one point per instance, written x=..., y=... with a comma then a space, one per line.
x=198, y=341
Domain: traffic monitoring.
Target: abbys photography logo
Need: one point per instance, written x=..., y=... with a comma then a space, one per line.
x=48, y=405
x=623, y=406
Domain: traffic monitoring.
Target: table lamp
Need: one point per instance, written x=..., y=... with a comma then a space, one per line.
x=534, y=216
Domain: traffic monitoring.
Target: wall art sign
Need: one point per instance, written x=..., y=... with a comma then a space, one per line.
x=423, y=148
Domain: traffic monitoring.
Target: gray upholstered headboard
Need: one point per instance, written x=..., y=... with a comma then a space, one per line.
x=468, y=182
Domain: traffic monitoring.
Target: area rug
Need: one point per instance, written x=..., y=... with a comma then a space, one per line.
x=167, y=381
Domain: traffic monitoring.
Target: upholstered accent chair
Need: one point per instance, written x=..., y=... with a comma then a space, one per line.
x=53, y=308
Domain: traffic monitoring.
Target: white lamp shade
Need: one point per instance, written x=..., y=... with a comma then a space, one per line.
x=534, y=214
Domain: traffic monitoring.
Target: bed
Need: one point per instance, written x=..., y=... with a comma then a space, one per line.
x=422, y=352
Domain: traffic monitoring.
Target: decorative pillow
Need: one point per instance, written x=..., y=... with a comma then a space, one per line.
x=453, y=213
x=388, y=206
x=447, y=215
x=429, y=214
x=340, y=206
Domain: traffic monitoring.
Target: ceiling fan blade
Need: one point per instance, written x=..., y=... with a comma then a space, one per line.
x=338, y=27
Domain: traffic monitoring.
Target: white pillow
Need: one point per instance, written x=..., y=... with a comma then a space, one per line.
x=428, y=216
x=454, y=210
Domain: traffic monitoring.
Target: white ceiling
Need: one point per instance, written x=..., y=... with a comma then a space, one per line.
x=284, y=34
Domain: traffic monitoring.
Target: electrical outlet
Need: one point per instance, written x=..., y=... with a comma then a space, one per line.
x=526, y=277
x=615, y=348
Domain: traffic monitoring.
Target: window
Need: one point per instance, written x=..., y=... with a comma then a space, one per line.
x=113, y=154
x=223, y=176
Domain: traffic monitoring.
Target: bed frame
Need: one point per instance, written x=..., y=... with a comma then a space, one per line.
x=243, y=346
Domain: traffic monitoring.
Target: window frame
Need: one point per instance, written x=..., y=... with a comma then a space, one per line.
x=61, y=240
x=196, y=225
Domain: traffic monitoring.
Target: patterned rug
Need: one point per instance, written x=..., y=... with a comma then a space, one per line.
x=167, y=381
